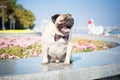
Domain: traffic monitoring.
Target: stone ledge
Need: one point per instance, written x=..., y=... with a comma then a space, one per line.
x=86, y=66
x=87, y=73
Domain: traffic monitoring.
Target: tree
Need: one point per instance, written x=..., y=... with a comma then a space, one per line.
x=16, y=14
x=24, y=18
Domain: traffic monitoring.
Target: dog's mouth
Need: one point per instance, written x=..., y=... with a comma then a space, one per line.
x=64, y=29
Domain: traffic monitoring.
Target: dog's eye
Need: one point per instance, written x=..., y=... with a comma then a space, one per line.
x=69, y=27
x=62, y=21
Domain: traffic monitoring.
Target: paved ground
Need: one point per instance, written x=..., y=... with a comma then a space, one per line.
x=111, y=78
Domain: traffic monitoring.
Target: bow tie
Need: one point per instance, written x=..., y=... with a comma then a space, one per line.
x=57, y=37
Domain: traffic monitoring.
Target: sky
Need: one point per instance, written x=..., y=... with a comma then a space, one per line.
x=103, y=12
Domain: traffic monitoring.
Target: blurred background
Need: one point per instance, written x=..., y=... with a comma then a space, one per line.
x=33, y=14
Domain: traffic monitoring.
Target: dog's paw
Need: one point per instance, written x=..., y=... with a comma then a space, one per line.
x=45, y=61
x=66, y=62
x=57, y=61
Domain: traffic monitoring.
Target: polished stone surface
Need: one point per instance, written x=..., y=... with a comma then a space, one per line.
x=33, y=65
x=85, y=66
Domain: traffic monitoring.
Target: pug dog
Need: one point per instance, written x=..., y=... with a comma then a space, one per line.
x=56, y=45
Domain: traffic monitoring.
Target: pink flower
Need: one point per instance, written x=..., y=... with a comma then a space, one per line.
x=91, y=46
x=81, y=47
x=18, y=41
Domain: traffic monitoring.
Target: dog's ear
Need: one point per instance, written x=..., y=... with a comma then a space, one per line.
x=54, y=17
x=69, y=14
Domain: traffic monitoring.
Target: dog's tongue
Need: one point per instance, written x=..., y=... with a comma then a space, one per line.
x=66, y=30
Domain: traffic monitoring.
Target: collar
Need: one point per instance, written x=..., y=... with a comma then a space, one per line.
x=57, y=37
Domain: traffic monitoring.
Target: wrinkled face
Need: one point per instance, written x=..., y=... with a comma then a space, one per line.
x=63, y=22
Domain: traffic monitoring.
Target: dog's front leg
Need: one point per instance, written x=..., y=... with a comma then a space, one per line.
x=45, y=54
x=68, y=54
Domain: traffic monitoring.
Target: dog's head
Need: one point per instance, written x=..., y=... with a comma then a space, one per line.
x=63, y=22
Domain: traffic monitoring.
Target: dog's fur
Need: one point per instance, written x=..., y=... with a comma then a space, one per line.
x=57, y=51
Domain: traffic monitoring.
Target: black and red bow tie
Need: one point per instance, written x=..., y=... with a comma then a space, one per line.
x=57, y=37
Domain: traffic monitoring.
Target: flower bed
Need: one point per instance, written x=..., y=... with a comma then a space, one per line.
x=23, y=47
x=88, y=45
x=20, y=47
